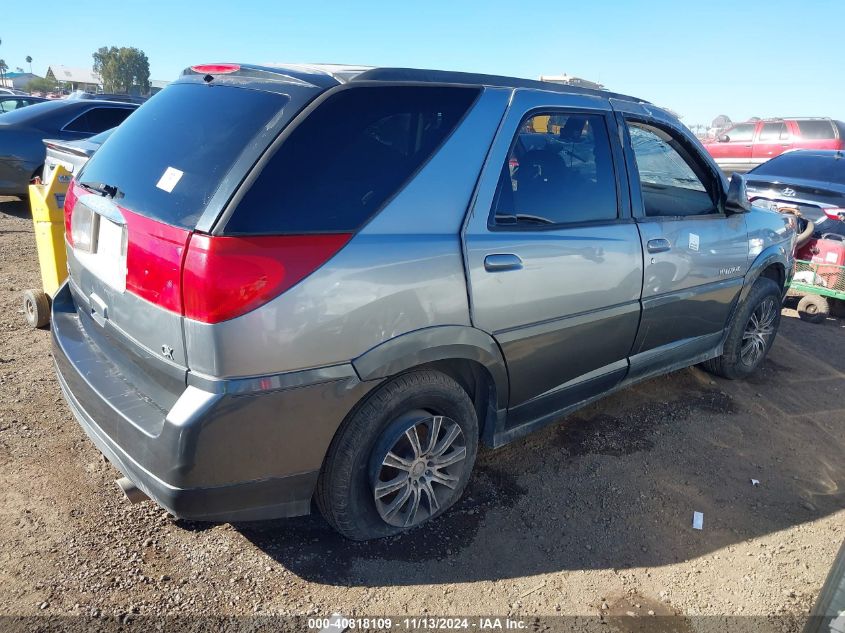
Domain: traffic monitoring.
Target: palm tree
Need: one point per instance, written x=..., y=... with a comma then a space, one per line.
x=29, y=61
x=3, y=69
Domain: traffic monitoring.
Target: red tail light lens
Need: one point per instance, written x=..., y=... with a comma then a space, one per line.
x=215, y=69
x=225, y=277
x=835, y=214
x=71, y=196
x=210, y=278
x=154, y=254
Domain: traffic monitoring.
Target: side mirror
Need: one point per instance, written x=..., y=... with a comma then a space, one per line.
x=736, y=200
x=723, y=138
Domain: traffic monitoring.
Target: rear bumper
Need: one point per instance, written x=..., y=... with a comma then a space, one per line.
x=225, y=451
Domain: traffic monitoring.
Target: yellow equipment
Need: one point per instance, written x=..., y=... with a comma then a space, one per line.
x=47, y=203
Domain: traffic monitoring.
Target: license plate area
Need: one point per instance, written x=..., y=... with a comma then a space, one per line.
x=99, y=240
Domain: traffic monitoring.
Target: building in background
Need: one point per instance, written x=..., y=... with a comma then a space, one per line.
x=75, y=78
x=572, y=81
x=18, y=81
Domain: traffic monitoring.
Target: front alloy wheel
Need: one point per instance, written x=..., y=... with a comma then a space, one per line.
x=758, y=333
x=751, y=332
x=417, y=468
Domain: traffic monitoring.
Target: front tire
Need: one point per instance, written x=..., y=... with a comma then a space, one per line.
x=751, y=332
x=402, y=459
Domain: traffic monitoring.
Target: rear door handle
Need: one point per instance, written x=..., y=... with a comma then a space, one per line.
x=500, y=262
x=660, y=245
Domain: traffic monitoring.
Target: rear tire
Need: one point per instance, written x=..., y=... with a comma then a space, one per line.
x=751, y=332
x=375, y=482
x=36, y=308
x=813, y=308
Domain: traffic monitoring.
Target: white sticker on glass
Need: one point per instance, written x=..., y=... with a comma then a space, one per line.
x=169, y=179
x=693, y=242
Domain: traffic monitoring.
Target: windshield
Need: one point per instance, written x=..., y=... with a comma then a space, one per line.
x=169, y=157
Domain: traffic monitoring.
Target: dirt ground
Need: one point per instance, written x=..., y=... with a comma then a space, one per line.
x=591, y=516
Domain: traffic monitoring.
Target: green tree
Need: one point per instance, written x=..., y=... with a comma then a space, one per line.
x=42, y=84
x=29, y=61
x=3, y=69
x=122, y=68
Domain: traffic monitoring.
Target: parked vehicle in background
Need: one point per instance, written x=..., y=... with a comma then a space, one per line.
x=100, y=96
x=746, y=145
x=15, y=102
x=810, y=184
x=71, y=154
x=810, y=181
x=13, y=91
x=22, y=133
x=367, y=272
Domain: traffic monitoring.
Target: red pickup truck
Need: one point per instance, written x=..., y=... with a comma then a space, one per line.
x=746, y=145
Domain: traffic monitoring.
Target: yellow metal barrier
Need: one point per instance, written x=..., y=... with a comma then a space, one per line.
x=47, y=204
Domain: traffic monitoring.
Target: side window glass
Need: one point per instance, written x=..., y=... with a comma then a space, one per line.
x=349, y=157
x=102, y=119
x=79, y=124
x=669, y=180
x=772, y=132
x=98, y=120
x=559, y=171
x=742, y=133
x=816, y=129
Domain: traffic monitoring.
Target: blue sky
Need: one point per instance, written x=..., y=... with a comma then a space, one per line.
x=742, y=58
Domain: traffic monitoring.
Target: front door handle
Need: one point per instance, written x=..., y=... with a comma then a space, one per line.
x=660, y=245
x=500, y=262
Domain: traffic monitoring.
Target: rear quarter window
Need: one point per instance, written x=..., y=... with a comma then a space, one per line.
x=816, y=130
x=98, y=120
x=348, y=157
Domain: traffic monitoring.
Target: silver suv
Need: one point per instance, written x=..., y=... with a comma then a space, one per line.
x=325, y=283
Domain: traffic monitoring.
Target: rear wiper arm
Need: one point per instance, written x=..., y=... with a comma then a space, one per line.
x=103, y=189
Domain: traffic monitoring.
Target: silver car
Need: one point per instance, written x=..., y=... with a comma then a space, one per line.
x=297, y=283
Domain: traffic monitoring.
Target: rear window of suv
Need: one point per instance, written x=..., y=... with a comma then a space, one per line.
x=353, y=153
x=169, y=158
x=816, y=130
x=803, y=165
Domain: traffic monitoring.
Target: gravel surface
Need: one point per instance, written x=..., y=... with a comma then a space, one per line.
x=592, y=516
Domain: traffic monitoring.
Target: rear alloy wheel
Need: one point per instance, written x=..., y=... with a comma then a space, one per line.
x=401, y=459
x=419, y=471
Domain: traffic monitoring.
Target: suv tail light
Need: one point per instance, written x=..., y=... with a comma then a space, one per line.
x=216, y=278
x=71, y=195
x=225, y=277
x=835, y=214
x=211, y=278
x=154, y=254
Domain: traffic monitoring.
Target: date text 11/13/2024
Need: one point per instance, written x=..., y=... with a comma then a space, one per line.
x=341, y=623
